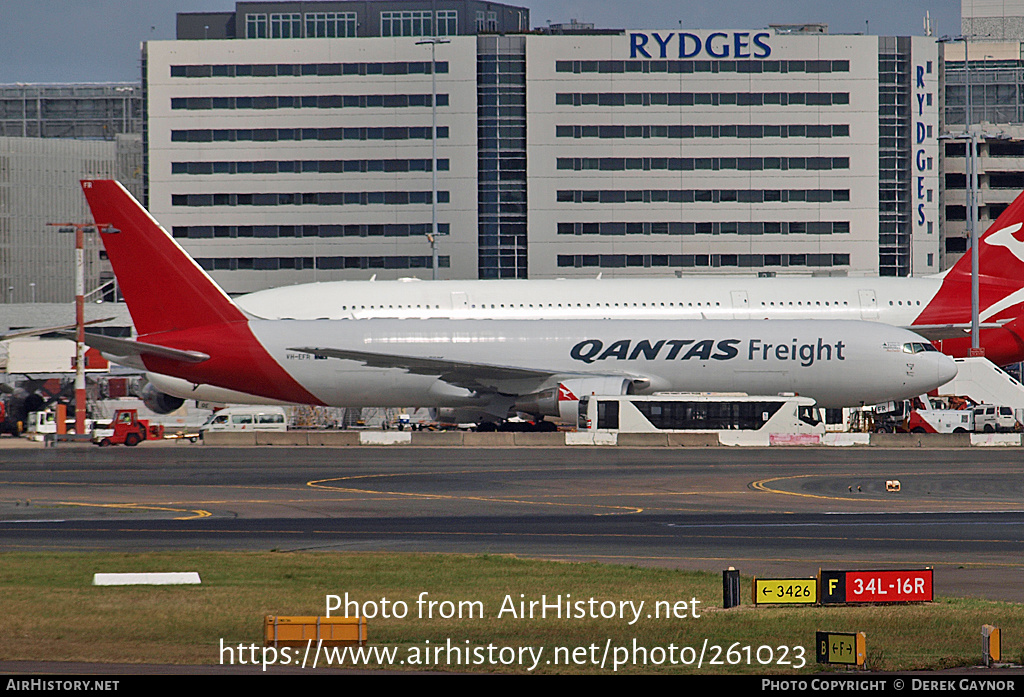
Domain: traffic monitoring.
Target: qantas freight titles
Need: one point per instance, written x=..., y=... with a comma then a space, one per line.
x=591, y=350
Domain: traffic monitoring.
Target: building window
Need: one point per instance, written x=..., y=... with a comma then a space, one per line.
x=330, y=25
x=306, y=166
x=205, y=135
x=286, y=26
x=635, y=99
x=300, y=231
x=306, y=69
x=411, y=23
x=698, y=66
x=621, y=261
x=255, y=26
x=447, y=23
x=323, y=198
x=704, y=131
x=390, y=101
x=617, y=196
x=613, y=164
x=705, y=228
x=487, y=21
x=322, y=263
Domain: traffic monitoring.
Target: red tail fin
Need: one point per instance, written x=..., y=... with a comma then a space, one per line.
x=1001, y=256
x=1001, y=275
x=164, y=288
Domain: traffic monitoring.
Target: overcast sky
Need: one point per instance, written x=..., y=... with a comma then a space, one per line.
x=98, y=40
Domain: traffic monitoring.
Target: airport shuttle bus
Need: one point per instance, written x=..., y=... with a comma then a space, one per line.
x=708, y=413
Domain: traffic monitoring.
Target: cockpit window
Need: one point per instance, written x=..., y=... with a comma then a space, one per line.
x=917, y=347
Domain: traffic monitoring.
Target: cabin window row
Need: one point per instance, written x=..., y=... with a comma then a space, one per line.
x=570, y=305
x=324, y=198
x=718, y=131
x=814, y=227
x=307, y=69
x=702, y=195
x=621, y=261
x=301, y=166
x=702, y=98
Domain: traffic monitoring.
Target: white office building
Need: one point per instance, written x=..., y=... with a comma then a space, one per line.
x=299, y=155
x=755, y=151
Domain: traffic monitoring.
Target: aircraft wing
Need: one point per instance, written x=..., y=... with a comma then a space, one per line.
x=935, y=332
x=471, y=376
x=129, y=347
x=48, y=330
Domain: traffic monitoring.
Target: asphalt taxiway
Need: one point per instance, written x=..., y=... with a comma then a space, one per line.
x=764, y=511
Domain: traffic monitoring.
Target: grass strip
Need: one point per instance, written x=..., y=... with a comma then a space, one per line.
x=53, y=613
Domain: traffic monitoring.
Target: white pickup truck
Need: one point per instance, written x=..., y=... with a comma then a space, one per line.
x=983, y=418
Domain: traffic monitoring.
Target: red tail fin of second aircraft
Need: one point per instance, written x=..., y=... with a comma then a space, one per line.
x=1001, y=275
x=167, y=290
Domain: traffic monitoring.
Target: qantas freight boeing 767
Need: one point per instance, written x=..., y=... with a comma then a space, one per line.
x=196, y=343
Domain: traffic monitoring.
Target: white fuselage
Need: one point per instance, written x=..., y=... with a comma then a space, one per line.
x=836, y=363
x=895, y=301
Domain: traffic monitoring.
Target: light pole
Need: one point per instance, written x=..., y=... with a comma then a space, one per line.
x=971, y=139
x=972, y=169
x=432, y=237
x=79, y=229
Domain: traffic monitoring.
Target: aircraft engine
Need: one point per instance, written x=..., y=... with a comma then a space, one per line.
x=562, y=401
x=25, y=402
x=158, y=401
x=19, y=404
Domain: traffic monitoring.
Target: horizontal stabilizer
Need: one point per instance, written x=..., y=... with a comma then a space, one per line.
x=130, y=347
x=48, y=330
x=935, y=332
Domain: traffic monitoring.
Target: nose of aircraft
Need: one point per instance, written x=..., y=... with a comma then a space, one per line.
x=946, y=368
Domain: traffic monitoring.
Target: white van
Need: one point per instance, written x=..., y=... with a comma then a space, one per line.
x=254, y=418
x=989, y=418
